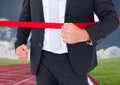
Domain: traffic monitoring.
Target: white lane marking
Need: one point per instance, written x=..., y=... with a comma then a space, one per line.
x=23, y=80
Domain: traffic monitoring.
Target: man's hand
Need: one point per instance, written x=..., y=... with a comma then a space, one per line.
x=72, y=34
x=22, y=52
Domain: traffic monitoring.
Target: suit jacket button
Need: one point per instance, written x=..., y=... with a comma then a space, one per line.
x=39, y=44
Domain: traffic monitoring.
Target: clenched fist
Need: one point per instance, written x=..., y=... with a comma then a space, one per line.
x=72, y=34
x=22, y=52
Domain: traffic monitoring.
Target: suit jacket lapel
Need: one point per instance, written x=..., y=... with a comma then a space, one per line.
x=67, y=4
x=40, y=7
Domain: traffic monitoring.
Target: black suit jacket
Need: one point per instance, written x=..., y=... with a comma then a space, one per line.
x=82, y=55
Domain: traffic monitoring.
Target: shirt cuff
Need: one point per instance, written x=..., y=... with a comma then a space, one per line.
x=90, y=42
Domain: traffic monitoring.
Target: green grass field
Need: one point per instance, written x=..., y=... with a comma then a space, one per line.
x=107, y=72
x=10, y=61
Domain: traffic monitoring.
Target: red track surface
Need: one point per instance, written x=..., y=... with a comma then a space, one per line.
x=16, y=75
x=20, y=75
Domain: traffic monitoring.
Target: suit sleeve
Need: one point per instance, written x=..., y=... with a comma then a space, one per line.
x=108, y=21
x=23, y=34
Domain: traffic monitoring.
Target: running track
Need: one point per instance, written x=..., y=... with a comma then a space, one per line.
x=16, y=75
x=20, y=75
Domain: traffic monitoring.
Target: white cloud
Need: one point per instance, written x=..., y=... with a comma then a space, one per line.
x=113, y=51
x=3, y=19
x=7, y=40
x=7, y=50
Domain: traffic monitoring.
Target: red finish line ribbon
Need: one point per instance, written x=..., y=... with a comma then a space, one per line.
x=42, y=24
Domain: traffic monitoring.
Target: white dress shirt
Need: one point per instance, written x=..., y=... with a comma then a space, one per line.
x=61, y=9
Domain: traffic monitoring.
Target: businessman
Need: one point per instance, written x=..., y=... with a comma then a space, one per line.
x=64, y=56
